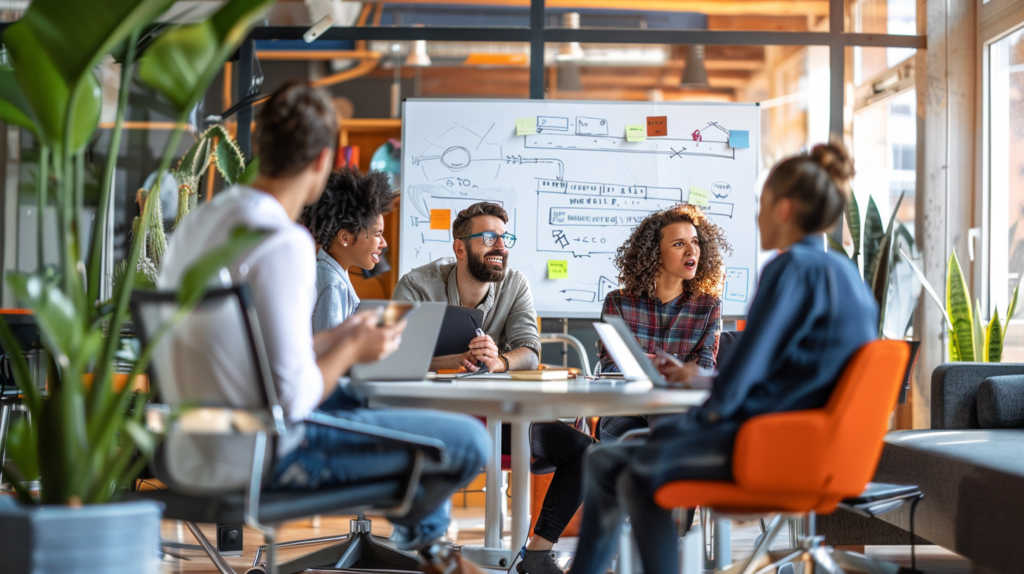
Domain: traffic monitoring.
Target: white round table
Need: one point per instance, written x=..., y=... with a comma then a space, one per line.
x=520, y=403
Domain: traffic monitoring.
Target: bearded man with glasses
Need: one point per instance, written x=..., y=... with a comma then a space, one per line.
x=478, y=277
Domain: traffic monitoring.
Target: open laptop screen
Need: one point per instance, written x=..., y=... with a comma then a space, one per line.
x=616, y=347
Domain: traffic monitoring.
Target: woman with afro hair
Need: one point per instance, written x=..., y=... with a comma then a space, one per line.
x=672, y=275
x=347, y=223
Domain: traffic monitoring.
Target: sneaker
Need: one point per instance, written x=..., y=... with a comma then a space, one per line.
x=538, y=562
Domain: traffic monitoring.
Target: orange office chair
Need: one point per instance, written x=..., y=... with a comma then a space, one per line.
x=806, y=462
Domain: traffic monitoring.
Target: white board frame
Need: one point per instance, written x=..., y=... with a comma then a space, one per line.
x=754, y=144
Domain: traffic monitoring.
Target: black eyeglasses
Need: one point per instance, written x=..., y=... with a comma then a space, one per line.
x=490, y=238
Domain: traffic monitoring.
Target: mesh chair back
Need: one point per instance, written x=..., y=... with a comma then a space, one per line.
x=212, y=356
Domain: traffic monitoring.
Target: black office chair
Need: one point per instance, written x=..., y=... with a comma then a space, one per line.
x=218, y=449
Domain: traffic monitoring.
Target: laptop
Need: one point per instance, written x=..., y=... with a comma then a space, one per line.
x=628, y=356
x=412, y=359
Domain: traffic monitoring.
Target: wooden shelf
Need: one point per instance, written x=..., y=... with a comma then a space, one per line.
x=366, y=125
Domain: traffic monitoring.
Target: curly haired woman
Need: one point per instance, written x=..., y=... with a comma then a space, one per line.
x=347, y=223
x=672, y=272
x=672, y=269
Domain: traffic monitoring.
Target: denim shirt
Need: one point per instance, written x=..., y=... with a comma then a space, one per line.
x=336, y=301
x=812, y=312
x=336, y=298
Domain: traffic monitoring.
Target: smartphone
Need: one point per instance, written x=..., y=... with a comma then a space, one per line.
x=670, y=358
x=394, y=312
x=390, y=312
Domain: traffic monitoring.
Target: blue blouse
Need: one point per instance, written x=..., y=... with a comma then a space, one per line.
x=812, y=312
x=336, y=298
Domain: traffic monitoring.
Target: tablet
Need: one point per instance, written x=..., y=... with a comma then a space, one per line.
x=457, y=329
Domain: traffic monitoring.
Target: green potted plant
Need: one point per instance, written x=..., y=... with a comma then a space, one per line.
x=213, y=147
x=890, y=278
x=83, y=440
x=883, y=272
x=969, y=339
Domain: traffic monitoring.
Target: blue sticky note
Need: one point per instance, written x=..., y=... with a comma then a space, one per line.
x=739, y=139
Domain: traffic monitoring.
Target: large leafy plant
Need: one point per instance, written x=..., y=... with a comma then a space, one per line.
x=83, y=438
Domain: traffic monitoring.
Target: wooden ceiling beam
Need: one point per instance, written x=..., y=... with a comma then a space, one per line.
x=798, y=23
x=635, y=95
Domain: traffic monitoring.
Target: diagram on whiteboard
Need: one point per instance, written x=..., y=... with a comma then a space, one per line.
x=576, y=187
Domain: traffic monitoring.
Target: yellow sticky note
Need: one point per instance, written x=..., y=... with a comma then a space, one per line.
x=636, y=133
x=526, y=126
x=558, y=269
x=440, y=219
x=698, y=196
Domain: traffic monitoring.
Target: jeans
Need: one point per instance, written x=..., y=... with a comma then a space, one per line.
x=611, y=429
x=622, y=477
x=330, y=458
x=563, y=446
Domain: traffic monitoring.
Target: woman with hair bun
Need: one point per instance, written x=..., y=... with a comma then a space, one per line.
x=812, y=312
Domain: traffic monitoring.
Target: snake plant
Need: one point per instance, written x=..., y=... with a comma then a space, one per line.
x=83, y=439
x=883, y=271
x=969, y=339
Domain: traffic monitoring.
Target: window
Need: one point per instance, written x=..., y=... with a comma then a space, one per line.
x=1006, y=178
x=885, y=147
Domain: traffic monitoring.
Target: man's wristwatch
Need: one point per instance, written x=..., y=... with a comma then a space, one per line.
x=504, y=359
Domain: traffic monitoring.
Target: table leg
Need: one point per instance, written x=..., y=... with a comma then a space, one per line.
x=723, y=541
x=493, y=501
x=520, y=483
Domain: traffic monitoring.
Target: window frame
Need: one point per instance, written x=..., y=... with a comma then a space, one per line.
x=998, y=19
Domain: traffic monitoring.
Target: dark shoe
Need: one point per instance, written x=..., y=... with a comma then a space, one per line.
x=445, y=559
x=538, y=562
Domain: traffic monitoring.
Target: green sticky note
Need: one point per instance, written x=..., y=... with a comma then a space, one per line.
x=637, y=133
x=698, y=196
x=558, y=269
x=526, y=126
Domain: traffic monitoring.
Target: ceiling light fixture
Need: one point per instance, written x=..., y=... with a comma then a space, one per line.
x=418, y=57
x=696, y=74
x=570, y=51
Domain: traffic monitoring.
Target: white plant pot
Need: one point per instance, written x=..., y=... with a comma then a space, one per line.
x=116, y=538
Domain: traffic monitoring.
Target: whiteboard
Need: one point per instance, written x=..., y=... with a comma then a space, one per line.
x=575, y=190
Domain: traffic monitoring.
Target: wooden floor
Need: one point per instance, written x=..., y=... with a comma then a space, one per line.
x=467, y=529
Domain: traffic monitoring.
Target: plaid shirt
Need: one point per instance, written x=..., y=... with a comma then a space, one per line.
x=687, y=327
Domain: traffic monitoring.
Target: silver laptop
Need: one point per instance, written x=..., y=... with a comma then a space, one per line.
x=622, y=346
x=412, y=359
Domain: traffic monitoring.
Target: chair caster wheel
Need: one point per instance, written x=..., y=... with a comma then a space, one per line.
x=261, y=569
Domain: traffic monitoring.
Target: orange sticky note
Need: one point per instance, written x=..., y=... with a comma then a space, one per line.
x=440, y=219
x=657, y=126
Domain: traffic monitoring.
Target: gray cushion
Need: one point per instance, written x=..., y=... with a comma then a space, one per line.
x=1001, y=402
x=955, y=390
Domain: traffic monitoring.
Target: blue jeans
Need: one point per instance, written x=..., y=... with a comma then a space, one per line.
x=330, y=457
x=620, y=479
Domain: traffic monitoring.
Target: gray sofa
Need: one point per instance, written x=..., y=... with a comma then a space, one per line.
x=970, y=466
